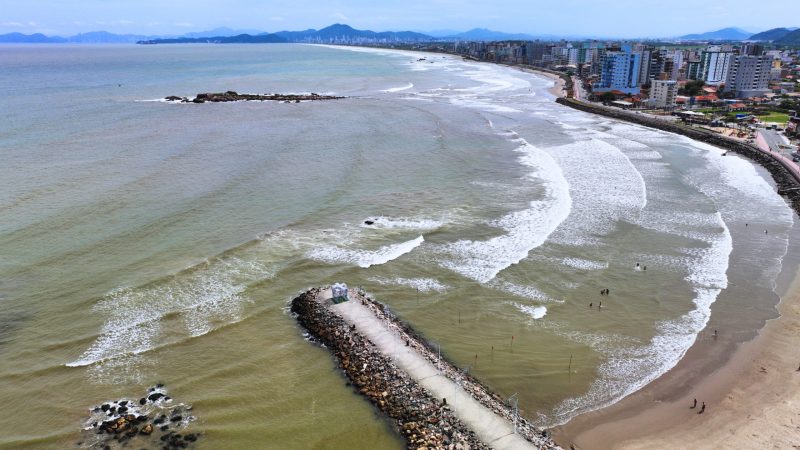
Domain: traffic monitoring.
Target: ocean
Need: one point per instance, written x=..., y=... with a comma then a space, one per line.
x=149, y=242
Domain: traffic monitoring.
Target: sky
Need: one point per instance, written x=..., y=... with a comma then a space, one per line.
x=598, y=18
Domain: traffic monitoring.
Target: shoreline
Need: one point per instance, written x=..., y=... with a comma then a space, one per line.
x=752, y=397
x=747, y=407
x=559, y=88
x=752, y=392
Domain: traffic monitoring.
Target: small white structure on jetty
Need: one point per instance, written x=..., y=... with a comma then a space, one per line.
x=339, y=292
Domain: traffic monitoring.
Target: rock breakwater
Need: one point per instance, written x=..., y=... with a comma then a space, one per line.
x=786, y=181
x=152, y=421
x=233, y=96
x=424, y=421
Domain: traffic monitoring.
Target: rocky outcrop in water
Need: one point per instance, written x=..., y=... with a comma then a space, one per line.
x=233, y=96
x=153, y=421
x=787, y=183
x=424, y=422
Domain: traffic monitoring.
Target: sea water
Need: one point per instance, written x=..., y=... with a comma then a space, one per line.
x=144, y=241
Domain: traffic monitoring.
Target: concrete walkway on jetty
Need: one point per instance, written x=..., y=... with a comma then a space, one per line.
x=492, y=429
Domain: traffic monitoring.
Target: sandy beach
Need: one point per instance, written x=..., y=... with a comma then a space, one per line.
x=752, y=400
x=558, y=88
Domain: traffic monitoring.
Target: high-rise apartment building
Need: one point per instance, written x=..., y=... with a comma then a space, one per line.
x=749, y=76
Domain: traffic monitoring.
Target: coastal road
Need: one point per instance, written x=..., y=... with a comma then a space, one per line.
x=774, y=141
x=577, y=88
x=769, y=141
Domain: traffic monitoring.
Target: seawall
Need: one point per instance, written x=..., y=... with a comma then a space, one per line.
x=423, y=419
x=786, y=177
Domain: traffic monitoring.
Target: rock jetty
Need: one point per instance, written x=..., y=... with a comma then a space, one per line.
x=233, y=96
x=788, y=184
x=152, y=421
x=423, y=421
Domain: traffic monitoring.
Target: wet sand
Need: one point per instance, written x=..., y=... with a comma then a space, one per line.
x=752, y=400
x=558, y=89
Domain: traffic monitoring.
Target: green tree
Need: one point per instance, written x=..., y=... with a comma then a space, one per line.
x=607, y=97
x=692, y=88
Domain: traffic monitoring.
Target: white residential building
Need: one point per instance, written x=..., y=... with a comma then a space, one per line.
x=749, y=76
x=715, y=63
x=663, y=93
x=620, y=71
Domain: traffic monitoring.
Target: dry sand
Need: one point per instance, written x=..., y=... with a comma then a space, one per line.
x=753, y=400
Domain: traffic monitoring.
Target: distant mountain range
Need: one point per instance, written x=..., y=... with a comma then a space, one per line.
x=791, y=38
x=482, y=34
x=239, y=39
x=725, y=34
x=336, y=32
x=770, y=35
x=345, y=33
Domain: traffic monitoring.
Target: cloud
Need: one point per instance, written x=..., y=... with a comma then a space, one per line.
x=13, y=24
x=277, y=18
x=340, y=16
x=111, y=22
x=183, y=24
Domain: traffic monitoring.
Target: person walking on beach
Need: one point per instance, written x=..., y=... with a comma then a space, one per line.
x=702, y=408
x=694, y=405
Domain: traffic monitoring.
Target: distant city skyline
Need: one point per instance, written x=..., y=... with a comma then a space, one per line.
x=580, y=18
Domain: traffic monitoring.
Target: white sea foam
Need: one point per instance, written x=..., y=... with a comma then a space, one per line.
x=398, y=89
x=484, y=105
x=403, y=223
x=606, y=187
x=364, y=258
x=628, y=368
x=203, y=298
x=739, y=174
x=525, y=229
x=528, y=292
x=420, y=284
x=535, y=312
x=584, y=264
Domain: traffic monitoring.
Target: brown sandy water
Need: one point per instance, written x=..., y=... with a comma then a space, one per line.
x=149, y=242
